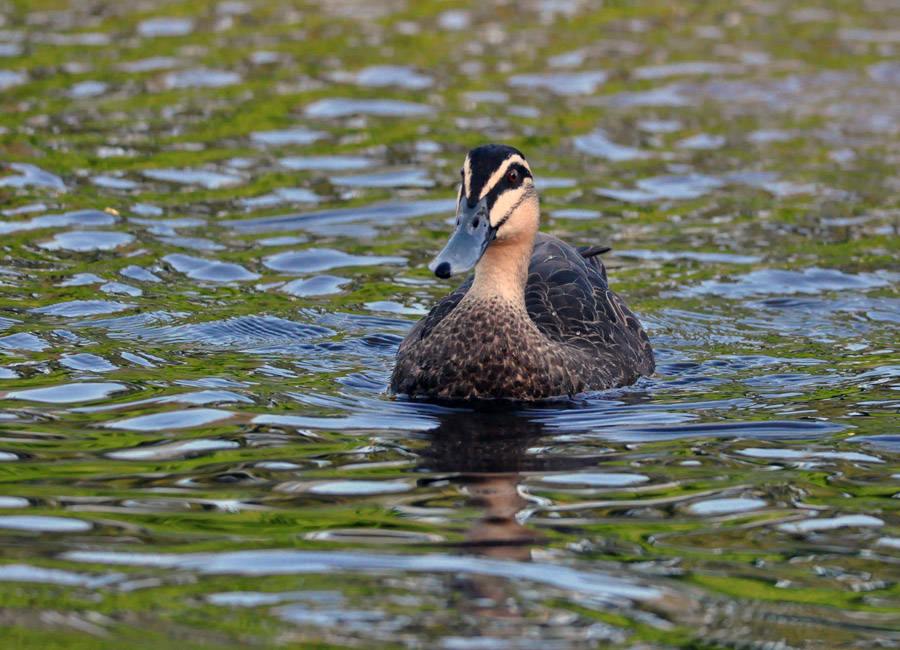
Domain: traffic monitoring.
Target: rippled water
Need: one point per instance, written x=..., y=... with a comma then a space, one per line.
x=216, y=219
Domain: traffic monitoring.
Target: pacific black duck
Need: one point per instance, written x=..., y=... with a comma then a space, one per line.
x=536, y=320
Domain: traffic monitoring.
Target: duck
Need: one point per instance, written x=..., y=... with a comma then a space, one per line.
x=537, y=319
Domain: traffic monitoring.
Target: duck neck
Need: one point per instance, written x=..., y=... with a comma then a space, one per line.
x=503, y=271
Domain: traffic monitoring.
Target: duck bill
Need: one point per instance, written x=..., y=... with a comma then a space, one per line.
x=471, y=238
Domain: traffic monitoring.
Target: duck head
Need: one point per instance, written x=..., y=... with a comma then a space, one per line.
x=497, y=204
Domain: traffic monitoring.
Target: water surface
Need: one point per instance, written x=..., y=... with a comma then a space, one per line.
x=216, y=222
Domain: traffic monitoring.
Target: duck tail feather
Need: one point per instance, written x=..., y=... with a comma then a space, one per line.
x=591, y=251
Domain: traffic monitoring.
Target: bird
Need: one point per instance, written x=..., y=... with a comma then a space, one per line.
x=537, y=319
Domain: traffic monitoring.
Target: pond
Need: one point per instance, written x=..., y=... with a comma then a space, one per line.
x=216, y=224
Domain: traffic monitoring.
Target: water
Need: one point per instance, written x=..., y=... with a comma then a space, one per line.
x=216, y=224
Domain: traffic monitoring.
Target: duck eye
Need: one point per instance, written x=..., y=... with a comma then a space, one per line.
x=512, y=176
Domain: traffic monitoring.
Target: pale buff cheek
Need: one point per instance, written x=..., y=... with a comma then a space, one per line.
x=524, y=220
x=504, y=203
x=526, y=214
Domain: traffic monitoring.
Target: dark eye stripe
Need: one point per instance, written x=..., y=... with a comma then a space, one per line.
x=502, y=187
x=481, y=169
x=522, y=171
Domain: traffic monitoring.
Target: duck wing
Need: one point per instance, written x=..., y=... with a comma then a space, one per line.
x=569, y=299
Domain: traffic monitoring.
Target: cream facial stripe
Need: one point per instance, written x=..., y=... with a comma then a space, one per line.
x=495, y=177
x=501, y=172
x=467, y=175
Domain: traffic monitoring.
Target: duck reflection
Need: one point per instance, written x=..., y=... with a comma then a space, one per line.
x=486, y=451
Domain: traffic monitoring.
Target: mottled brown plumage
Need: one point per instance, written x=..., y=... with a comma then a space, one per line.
x=572, y=335
x=565, y=334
